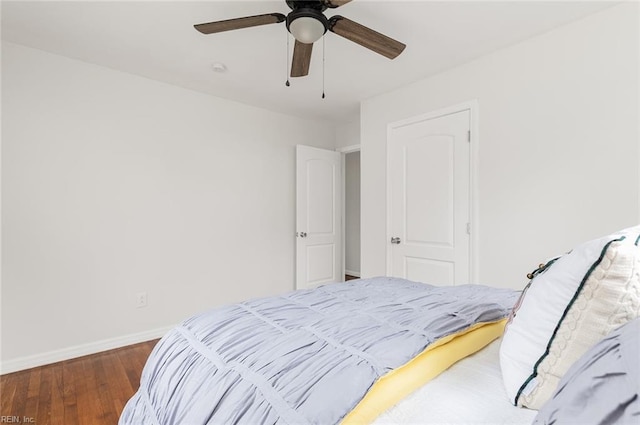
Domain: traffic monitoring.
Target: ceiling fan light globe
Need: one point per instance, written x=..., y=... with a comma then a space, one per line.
x=307, y=29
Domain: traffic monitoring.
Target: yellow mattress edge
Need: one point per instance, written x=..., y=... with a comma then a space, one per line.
x=400, y=382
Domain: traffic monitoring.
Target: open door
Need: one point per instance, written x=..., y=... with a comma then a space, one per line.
x=318, y=217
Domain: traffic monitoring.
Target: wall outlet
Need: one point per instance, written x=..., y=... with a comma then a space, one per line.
x=141, y=300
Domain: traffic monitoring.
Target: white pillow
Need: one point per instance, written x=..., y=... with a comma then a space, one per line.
x=567, y=307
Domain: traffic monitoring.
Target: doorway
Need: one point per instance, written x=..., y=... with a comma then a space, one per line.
x=352, y=215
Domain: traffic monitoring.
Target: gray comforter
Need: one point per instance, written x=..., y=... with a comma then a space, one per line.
x=603, y=386
x=307, y=357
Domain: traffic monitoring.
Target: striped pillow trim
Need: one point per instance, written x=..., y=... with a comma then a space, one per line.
x=564, y=314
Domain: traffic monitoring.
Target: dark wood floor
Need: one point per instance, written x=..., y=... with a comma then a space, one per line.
x=349, y=277
x=88, y=390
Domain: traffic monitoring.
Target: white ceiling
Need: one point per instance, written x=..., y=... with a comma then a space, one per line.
x=156, y=39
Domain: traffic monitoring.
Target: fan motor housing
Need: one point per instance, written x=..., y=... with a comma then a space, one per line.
x=307, y=4
x=307, y=13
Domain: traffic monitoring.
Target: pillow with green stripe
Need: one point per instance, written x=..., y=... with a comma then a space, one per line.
x=568, y=306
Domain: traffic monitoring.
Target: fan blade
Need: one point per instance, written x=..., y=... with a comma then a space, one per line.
x=236, y=24
x=366, y=37
x=335, y=3
x=301, y=59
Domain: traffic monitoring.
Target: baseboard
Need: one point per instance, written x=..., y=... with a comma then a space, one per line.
x=55, y=356
x=352, y=273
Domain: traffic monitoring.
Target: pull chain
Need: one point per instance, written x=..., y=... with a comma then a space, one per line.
x=323, y=49
x=287, y=68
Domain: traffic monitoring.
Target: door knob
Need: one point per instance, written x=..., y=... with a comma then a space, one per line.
x=303, y=234
x=395, y=240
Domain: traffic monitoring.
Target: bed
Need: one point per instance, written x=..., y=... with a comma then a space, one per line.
x=315, y=356
x=390, y=351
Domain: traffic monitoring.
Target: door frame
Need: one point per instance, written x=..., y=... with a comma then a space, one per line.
x=472, y=107
x=344, y=151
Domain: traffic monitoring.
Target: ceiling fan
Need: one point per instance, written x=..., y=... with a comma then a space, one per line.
x=307, y=23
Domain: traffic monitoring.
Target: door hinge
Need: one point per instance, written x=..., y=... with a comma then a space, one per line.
x=469, y=136
x=468, y=228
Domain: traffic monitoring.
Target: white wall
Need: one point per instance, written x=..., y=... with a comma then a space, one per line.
x=348, y=134
x=113, y=184
x=558, y=150
x=352, y=213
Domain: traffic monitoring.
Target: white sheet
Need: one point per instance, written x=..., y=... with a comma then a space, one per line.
x=470, y=392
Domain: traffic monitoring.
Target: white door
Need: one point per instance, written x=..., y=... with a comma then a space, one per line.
x=318, y=217
x=429, y=199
